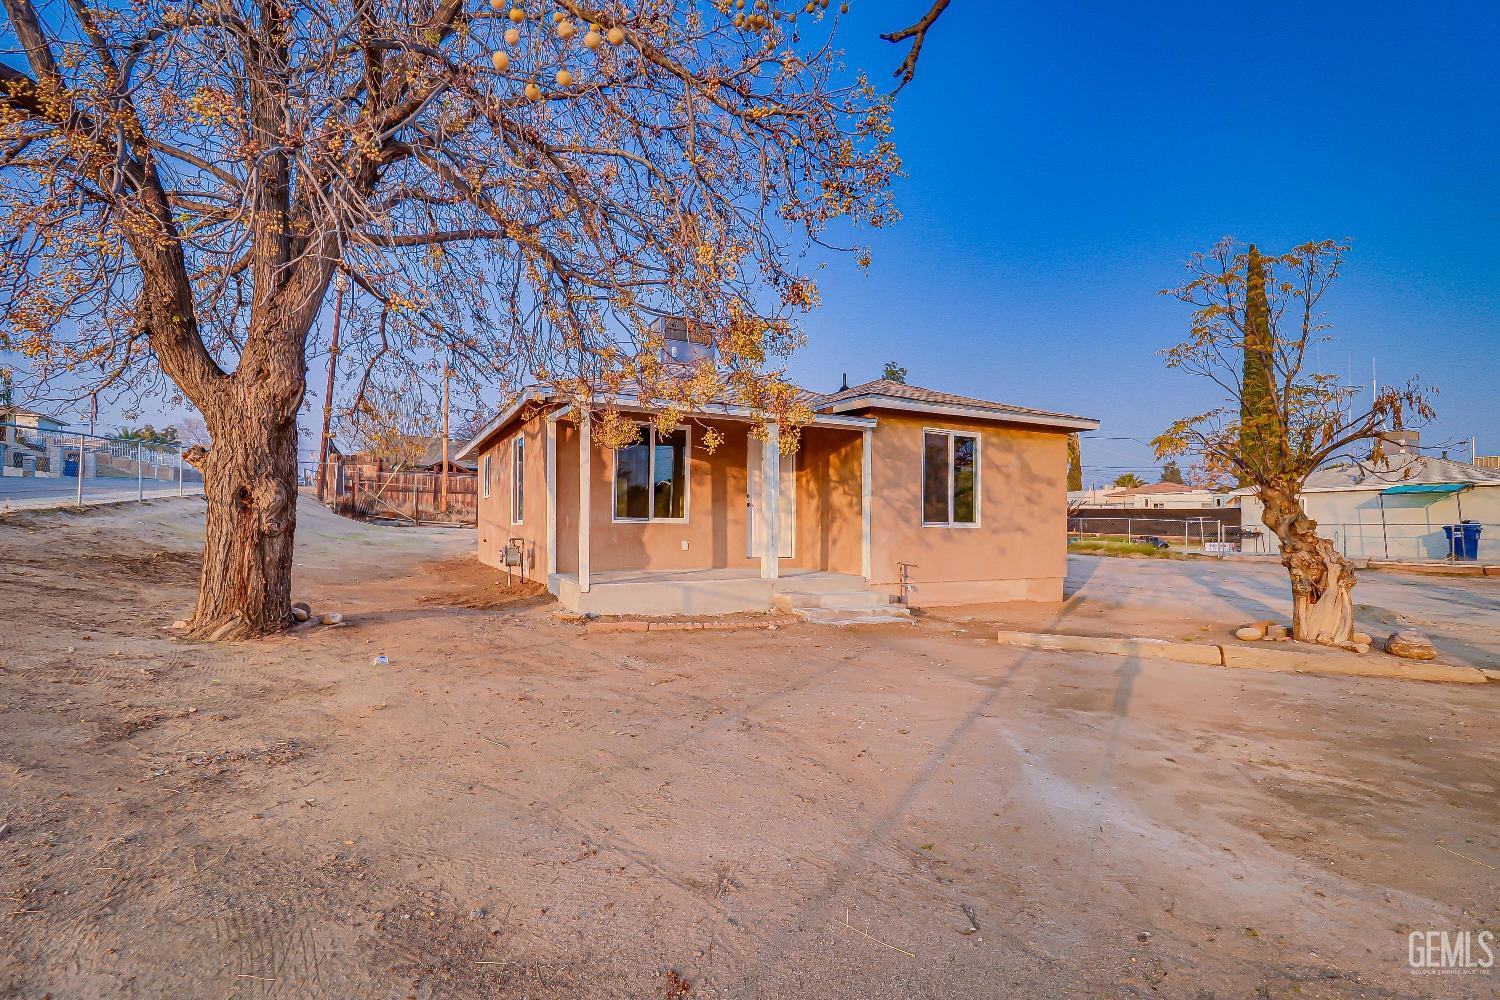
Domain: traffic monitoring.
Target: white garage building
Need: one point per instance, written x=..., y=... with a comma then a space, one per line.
x=1397, y=511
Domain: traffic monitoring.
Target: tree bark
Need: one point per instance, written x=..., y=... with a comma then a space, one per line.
x=250, y=481
x=1322, y=579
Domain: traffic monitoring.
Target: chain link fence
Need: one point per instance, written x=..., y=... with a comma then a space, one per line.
x=42, y=465
x=1188, y=534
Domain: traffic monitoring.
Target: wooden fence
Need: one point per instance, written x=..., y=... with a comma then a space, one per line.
x=411, y=496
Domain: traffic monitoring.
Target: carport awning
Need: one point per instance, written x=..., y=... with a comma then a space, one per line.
x=1425, y=488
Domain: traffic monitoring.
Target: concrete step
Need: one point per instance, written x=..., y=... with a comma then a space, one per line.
x=893, y=614
x=844, y=600
x=820, y=583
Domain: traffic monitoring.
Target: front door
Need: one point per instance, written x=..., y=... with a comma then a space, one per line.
x=788, y=539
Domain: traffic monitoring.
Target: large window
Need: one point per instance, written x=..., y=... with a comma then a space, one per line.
x=651, y=477
x=950, y=478
x=518, y=482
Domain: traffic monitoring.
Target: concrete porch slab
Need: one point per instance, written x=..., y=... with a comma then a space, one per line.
x=663, y=593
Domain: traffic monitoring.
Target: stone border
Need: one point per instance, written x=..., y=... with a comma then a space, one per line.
x=1294, y=661
x=768, y=621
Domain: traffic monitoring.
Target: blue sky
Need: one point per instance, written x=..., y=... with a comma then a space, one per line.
x=1065, y=158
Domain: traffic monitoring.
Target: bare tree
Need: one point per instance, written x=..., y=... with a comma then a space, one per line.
x=393, y=424
x=1255, y=316
x=916, y=34
x=521, y=193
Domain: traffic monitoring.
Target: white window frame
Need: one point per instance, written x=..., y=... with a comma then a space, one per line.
x=518, y=479
x=950, y=434
x=648, y=431
x=484, y=474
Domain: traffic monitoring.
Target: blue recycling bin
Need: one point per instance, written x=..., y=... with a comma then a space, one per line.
x=1463, y=540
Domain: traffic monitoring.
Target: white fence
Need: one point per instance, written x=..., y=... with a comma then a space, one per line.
x=1398, y=541
x=37, y=463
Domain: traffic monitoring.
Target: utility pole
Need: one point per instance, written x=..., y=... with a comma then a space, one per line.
x=443, y=476
x=339, y=284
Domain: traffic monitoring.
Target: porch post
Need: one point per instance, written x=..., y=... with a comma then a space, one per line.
x=770, y=503
x=866, y=491
x=551, y=495
x=585, y=505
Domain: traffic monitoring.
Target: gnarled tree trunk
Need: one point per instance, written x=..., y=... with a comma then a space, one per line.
x=250, y=481
x=1322, y=579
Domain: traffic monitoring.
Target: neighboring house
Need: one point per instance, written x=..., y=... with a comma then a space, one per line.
x=1174, y=496
x=28, y=440
x=969, y=494
x=432, y=459
x=23, y=418
x=1394, y=510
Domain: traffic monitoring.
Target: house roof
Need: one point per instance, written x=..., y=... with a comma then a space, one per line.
x=1160, y=488
x=886, y=394
x=21, y=411
x=536, y=396
x=1396, y=470
x=838, y=407
x=434, y=454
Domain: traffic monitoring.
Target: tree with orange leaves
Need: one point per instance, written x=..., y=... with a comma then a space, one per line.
x=522, y=189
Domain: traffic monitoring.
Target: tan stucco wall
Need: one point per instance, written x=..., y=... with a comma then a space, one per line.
x=1018, y=551
x=494, y=515
x=829, y=523
x=828, y=511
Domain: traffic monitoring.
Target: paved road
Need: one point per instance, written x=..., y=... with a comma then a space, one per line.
x=1457, y=613
x=33, y=493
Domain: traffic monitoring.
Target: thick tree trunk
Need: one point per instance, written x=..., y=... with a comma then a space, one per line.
x=1322, y=579
x=250, y=480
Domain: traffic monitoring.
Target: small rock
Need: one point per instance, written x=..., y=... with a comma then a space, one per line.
x=301, y=611
x=330, y=618
x=180, y=625
x=4, y=829
x=1251, y=632
x=1276, y=630
x=478, y=913
x=1361, y=647
x=1410, y=644
x=1143, y=937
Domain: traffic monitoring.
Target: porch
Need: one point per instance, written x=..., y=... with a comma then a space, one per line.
x=671, y=527
x=710, y=591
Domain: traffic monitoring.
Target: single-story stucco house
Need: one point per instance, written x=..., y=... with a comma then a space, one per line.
x=893, y=489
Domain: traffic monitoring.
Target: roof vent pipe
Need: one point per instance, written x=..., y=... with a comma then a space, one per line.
x=845, y=386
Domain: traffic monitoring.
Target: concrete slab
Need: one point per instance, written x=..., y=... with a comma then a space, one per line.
x=1158, y=649
x=1250, y=657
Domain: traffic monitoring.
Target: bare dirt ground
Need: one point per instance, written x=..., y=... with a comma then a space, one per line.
x=512, y=809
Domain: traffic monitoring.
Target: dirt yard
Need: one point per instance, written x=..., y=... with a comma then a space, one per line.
x=510, y=808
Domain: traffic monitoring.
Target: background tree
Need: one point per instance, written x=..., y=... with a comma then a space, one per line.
x=192, y=431
x=393, y=424
x=1075, y=463
x=148, y=434
x=523, y=191
x=893, y=373
x=1129, y=480
x=1171, y=472
x=1289, y=421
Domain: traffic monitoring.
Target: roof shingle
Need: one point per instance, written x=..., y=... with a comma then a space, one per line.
x=919, y=394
